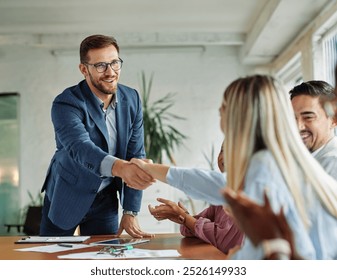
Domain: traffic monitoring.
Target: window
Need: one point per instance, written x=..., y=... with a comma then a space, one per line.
x=291, y=74
x=329, y=53
x=9, y=160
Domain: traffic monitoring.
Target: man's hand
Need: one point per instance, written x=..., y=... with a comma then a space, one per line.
x=141, y=163
x=168, y=210
x=131, y=226
x=132, y=175
x=157, y=171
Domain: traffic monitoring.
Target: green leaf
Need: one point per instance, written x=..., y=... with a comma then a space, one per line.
x=159, y=134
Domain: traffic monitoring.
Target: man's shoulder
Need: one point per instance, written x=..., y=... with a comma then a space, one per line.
x=127, y=91
x=329, y=150
x=333, y=143
x=75, y=91
x=125, y=87
x=126, y=94
x=327, y=157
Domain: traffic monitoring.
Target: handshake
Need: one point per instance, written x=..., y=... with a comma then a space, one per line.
x=139, y=173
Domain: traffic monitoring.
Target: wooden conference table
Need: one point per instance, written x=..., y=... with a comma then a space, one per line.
x=189, y=248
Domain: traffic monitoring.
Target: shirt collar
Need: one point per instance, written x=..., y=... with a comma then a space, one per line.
x=113, y=103
x=314, y=153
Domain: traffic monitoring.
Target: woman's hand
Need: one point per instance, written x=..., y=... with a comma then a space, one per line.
x=169, y=210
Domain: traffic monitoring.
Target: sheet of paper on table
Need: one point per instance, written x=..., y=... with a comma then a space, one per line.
x=54, y=248
x=130, y=254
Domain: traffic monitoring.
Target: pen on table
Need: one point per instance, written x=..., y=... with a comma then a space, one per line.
x=65, y=245
x=25, y=238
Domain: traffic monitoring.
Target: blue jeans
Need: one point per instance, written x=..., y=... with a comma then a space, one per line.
x=101, y=219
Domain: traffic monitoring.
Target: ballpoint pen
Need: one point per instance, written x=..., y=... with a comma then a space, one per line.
x=25, y=238
x=65, y=245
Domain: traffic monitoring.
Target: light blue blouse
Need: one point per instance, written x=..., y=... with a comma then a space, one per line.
x=317, y=242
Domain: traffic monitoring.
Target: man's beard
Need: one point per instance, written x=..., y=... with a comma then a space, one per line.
x=102, y=88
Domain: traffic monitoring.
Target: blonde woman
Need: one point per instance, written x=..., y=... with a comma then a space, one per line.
x=264, y=152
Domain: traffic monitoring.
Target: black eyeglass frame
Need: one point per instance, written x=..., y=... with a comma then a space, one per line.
x=106, y=64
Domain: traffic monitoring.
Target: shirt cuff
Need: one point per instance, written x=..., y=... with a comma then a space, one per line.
x=173, y=177
x=106, y=166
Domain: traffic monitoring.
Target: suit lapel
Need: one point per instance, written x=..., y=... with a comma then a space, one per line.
x=95, y=111
x=122, y=121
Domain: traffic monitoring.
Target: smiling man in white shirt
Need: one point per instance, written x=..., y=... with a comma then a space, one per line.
x=315, y=126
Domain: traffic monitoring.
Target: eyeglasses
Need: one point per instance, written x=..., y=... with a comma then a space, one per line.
x=101, y=67
x=117, y=253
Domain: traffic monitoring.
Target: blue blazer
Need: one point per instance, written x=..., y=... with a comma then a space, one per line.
x=81, y=135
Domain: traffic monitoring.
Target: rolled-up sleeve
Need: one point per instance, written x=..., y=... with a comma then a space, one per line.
x=216, y=227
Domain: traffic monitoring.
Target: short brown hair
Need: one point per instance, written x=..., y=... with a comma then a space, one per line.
x=96, y=42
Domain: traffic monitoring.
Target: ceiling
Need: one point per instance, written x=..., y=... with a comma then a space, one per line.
x=261, y=28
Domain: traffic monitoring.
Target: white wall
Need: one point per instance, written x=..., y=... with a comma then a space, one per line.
x=198, y=76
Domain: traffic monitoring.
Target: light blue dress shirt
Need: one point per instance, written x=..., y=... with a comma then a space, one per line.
x=327, y=157
x=319, y=241
x=109, y=160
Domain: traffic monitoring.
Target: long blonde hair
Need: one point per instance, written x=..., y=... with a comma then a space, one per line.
x=258, y=115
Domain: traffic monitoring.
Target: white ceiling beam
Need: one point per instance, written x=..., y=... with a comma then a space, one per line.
x=277, y=27
x=258, y=29
x=127, y=39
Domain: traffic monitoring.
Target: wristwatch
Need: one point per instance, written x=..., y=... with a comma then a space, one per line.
x=131, y=213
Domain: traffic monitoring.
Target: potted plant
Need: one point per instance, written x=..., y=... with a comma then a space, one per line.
x=160, y=136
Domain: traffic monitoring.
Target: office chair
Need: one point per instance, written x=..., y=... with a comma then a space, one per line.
x=32, y=222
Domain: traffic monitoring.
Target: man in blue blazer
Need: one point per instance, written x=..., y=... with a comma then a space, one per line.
x=98, y=127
